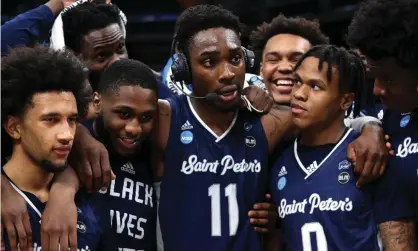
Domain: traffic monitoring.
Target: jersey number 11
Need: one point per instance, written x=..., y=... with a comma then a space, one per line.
x=233, y=215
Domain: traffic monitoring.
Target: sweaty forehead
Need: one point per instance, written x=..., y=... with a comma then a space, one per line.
x=105, y=36
x=216, y=37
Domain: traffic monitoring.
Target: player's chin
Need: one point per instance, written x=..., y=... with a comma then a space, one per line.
x=127, y=152
x=229, y=106
x=56, y=165
x=301, y=123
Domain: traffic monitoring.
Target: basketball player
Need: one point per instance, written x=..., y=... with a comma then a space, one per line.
x=128, y=106
x=278, y=45
x=313, y=183
x=385, y=31
x=39, y=113
x=210, y=156
x=96, y=34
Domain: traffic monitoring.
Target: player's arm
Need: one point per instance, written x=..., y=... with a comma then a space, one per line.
x=369, y=152
x=393, y=210
x=277, y=119
x=277, y=124
x=90, y=159
x=59, y=219
x=398, y=235
x=14, y=217
x=160, y=137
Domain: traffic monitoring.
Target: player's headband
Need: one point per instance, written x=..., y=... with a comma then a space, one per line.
x=57, y=32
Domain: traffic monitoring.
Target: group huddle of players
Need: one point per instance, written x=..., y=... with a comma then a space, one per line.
x=98, y=161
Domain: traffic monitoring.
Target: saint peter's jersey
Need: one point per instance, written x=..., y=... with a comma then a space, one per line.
x=320, y=206
x=210, y=182
x=403, y=131
x=91, y=233
x=129, y=203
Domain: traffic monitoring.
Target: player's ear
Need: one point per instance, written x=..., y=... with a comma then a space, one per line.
x=97, y=102
x=13, y=127
x=347, y=101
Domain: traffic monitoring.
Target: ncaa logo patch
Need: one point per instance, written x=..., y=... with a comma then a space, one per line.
x=405, y=120
x=343, y=177
x=186, y=137
x=81, y=227
x=281, y=183
x=250, y=141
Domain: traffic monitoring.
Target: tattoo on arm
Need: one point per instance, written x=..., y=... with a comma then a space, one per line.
x=398, y=235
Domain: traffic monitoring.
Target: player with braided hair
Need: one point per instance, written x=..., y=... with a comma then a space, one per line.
x=313, y=183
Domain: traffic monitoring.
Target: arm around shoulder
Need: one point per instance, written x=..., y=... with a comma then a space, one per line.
x=159, y=136
x=277, y=124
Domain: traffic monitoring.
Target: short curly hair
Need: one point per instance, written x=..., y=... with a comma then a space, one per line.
x=199, y=18
x=386, y=28
x=310, y=30
x=127, y=72
x=84, y=18
x=28, y=71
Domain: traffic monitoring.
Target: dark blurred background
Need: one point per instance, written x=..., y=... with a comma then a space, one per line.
x=151, y=22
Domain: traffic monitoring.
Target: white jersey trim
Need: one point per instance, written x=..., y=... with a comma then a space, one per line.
x=304, y=169
x=26, y=199
x=218, y=138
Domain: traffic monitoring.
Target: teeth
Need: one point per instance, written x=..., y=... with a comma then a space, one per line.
x=284, y=82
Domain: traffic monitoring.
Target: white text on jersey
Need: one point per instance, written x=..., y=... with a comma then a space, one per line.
x=315, y=203
x=227, y=163
x=143, y=192
x=407, y=148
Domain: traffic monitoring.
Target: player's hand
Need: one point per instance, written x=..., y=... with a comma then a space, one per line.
x=255, y=97
x=263, y=216
x=369, y=154
x=59, y=220
x=15, y=218
x=90, y=159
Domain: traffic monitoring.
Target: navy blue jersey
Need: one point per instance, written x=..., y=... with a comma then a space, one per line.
x=91, y=234
x=320, y=206
x=129, y=203
x=210, y=182
x=403, y=132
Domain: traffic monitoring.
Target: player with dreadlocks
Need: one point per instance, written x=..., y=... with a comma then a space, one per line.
x=278, y=45
x=386, y=33
x=313, y=183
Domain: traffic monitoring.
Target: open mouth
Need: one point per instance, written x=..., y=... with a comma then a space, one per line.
x=228, y=93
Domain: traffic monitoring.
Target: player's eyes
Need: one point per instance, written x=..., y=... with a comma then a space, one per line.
x=315, y=87
x=236, y=59
x=50, y=119
x=208, y=63
x=124, y=114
